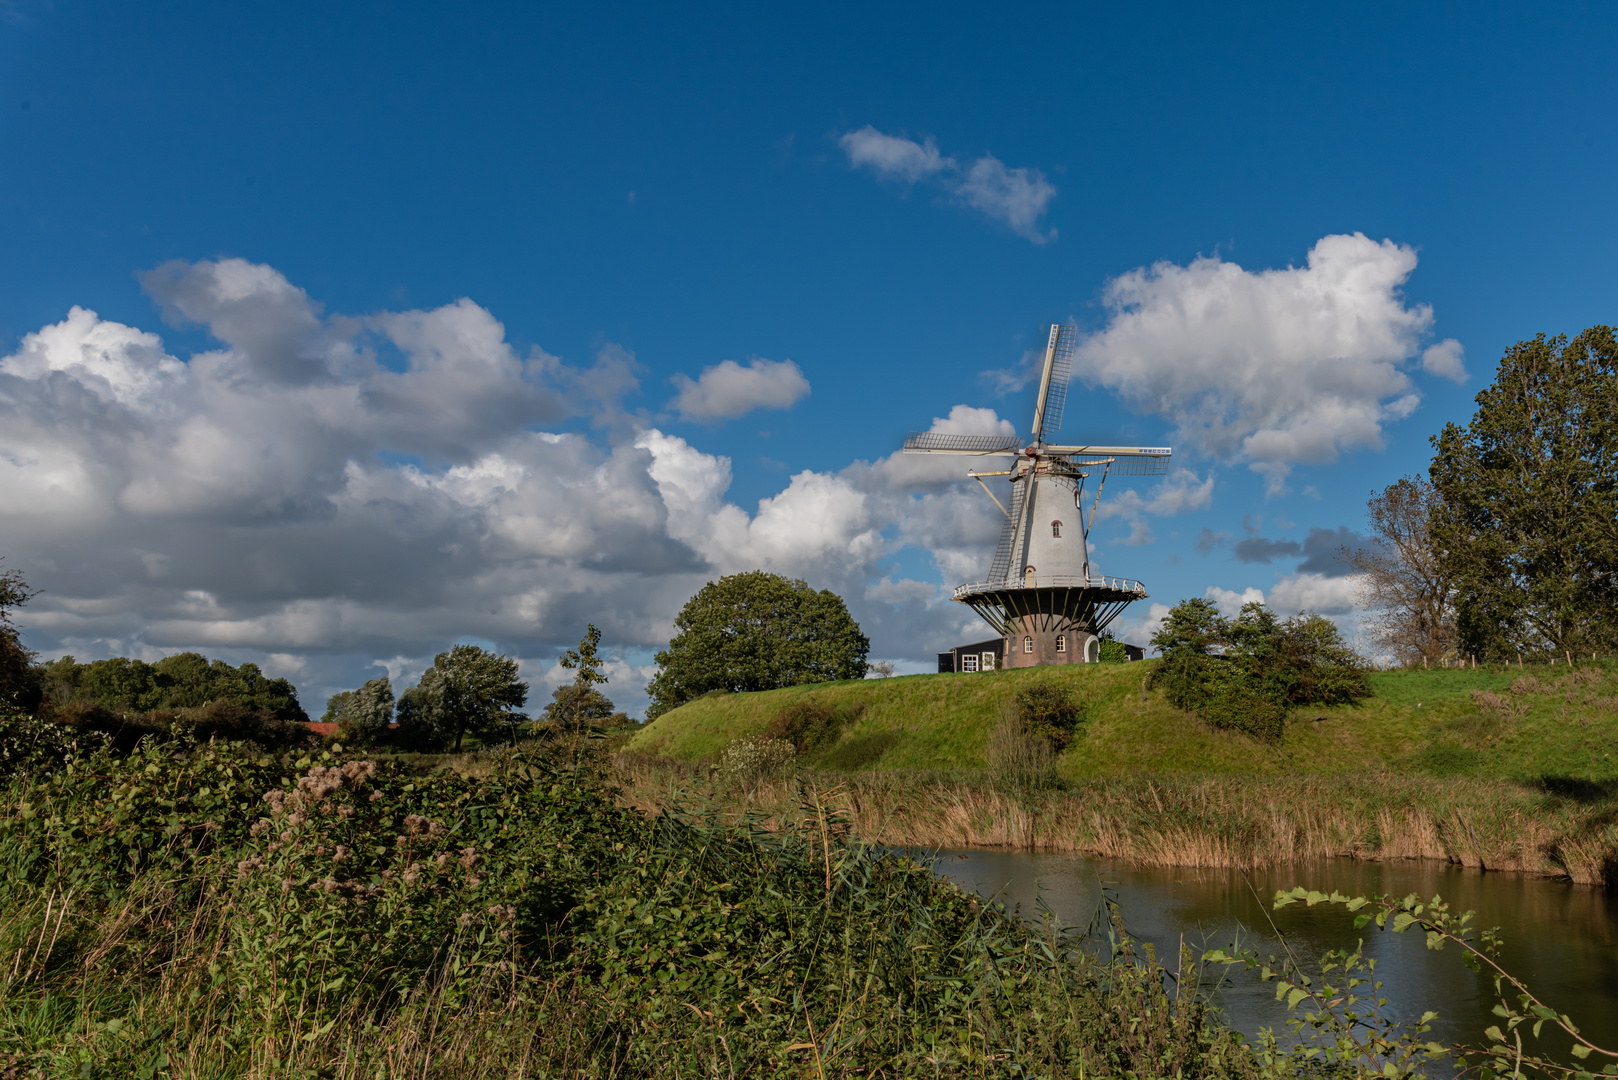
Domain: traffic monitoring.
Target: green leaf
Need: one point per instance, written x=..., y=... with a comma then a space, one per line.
x=1580, y=1051
x=1493, y=1032
x=1295, y=997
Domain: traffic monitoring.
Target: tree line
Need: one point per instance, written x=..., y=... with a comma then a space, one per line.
x=1508, y=547
x=748, y=631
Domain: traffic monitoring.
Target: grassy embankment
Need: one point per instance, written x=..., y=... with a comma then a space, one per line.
x=1498, y=768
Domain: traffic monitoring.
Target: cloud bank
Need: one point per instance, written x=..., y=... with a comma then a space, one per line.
x=1015, y=197
x=322, y=493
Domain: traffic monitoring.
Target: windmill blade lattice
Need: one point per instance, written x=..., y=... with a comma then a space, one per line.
x=1066, y=343
x=1000, y=568
x=938, y=442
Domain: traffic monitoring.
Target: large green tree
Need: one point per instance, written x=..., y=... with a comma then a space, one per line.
x=363, y=715
x=1529, y=523
x=757, y=631
x=468, y=689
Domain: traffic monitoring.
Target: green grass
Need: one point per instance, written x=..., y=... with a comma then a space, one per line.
x=1421, y=722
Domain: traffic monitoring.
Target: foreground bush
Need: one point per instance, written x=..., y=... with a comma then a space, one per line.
x=199, y=911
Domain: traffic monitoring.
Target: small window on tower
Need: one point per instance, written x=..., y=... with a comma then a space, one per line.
x=1027, y=644
x=969, y=662
x=1061, y=643
x=1056, y=529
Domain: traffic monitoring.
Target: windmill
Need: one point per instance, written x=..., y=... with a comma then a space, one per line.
x=1040, y=594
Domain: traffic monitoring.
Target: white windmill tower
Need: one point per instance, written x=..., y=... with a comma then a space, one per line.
x=1040, y=594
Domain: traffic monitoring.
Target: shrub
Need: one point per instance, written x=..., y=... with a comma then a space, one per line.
x=1246, y=674
x=809, y=724
x=227, y=721
x=747, y=762
x=1112, y=652
x=1052, y=712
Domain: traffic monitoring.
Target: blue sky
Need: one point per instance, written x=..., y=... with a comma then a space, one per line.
x=425, y=357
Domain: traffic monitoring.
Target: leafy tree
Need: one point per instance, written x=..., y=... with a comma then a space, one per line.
x=1111, y=650
x=757, y=631
x=1406, y=584
x=578, y=710
x=468, y=689
x=1191, y=631
x=423, y=716
x=363, y=714
x=18, y=684
x=1529, y=529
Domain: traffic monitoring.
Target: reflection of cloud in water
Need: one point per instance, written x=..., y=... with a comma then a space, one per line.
x=1560, y=938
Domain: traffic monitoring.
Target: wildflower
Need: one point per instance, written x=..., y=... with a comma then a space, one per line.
x=260, y=827
x=340, y=854
x=468, y=859
x=412, y=873
x=465, y=920
x=473, y=881
x=286, y=885
x=345, y=810
x=375, y=795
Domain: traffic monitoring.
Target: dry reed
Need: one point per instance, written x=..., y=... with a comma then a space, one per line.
x=1206, y=821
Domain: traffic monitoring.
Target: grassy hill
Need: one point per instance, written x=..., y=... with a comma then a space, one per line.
x=1551, y=722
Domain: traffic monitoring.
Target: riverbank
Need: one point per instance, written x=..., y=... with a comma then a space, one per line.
x=1550, y=827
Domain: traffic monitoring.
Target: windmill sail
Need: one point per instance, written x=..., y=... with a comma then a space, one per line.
x=1053, y=380
x=1000, y=568
x=939, y=442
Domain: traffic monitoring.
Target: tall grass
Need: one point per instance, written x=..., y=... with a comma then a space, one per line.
x=1568, y=829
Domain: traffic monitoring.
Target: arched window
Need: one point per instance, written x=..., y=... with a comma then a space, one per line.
x=1027, y=644
x=1092, y=650
x=1061, y=643
x=1056, y=529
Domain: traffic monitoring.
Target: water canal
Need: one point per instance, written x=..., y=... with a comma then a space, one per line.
x=1561, y=939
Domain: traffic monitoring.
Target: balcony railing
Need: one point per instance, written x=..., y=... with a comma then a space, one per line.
x=1053, y=581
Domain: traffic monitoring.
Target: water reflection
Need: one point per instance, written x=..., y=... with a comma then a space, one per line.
x=1561, y=939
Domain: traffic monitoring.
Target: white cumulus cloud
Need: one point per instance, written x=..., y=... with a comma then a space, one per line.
x=1015, y=197
x=728, y=389
x=1270, y=367
x=1446, y=359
